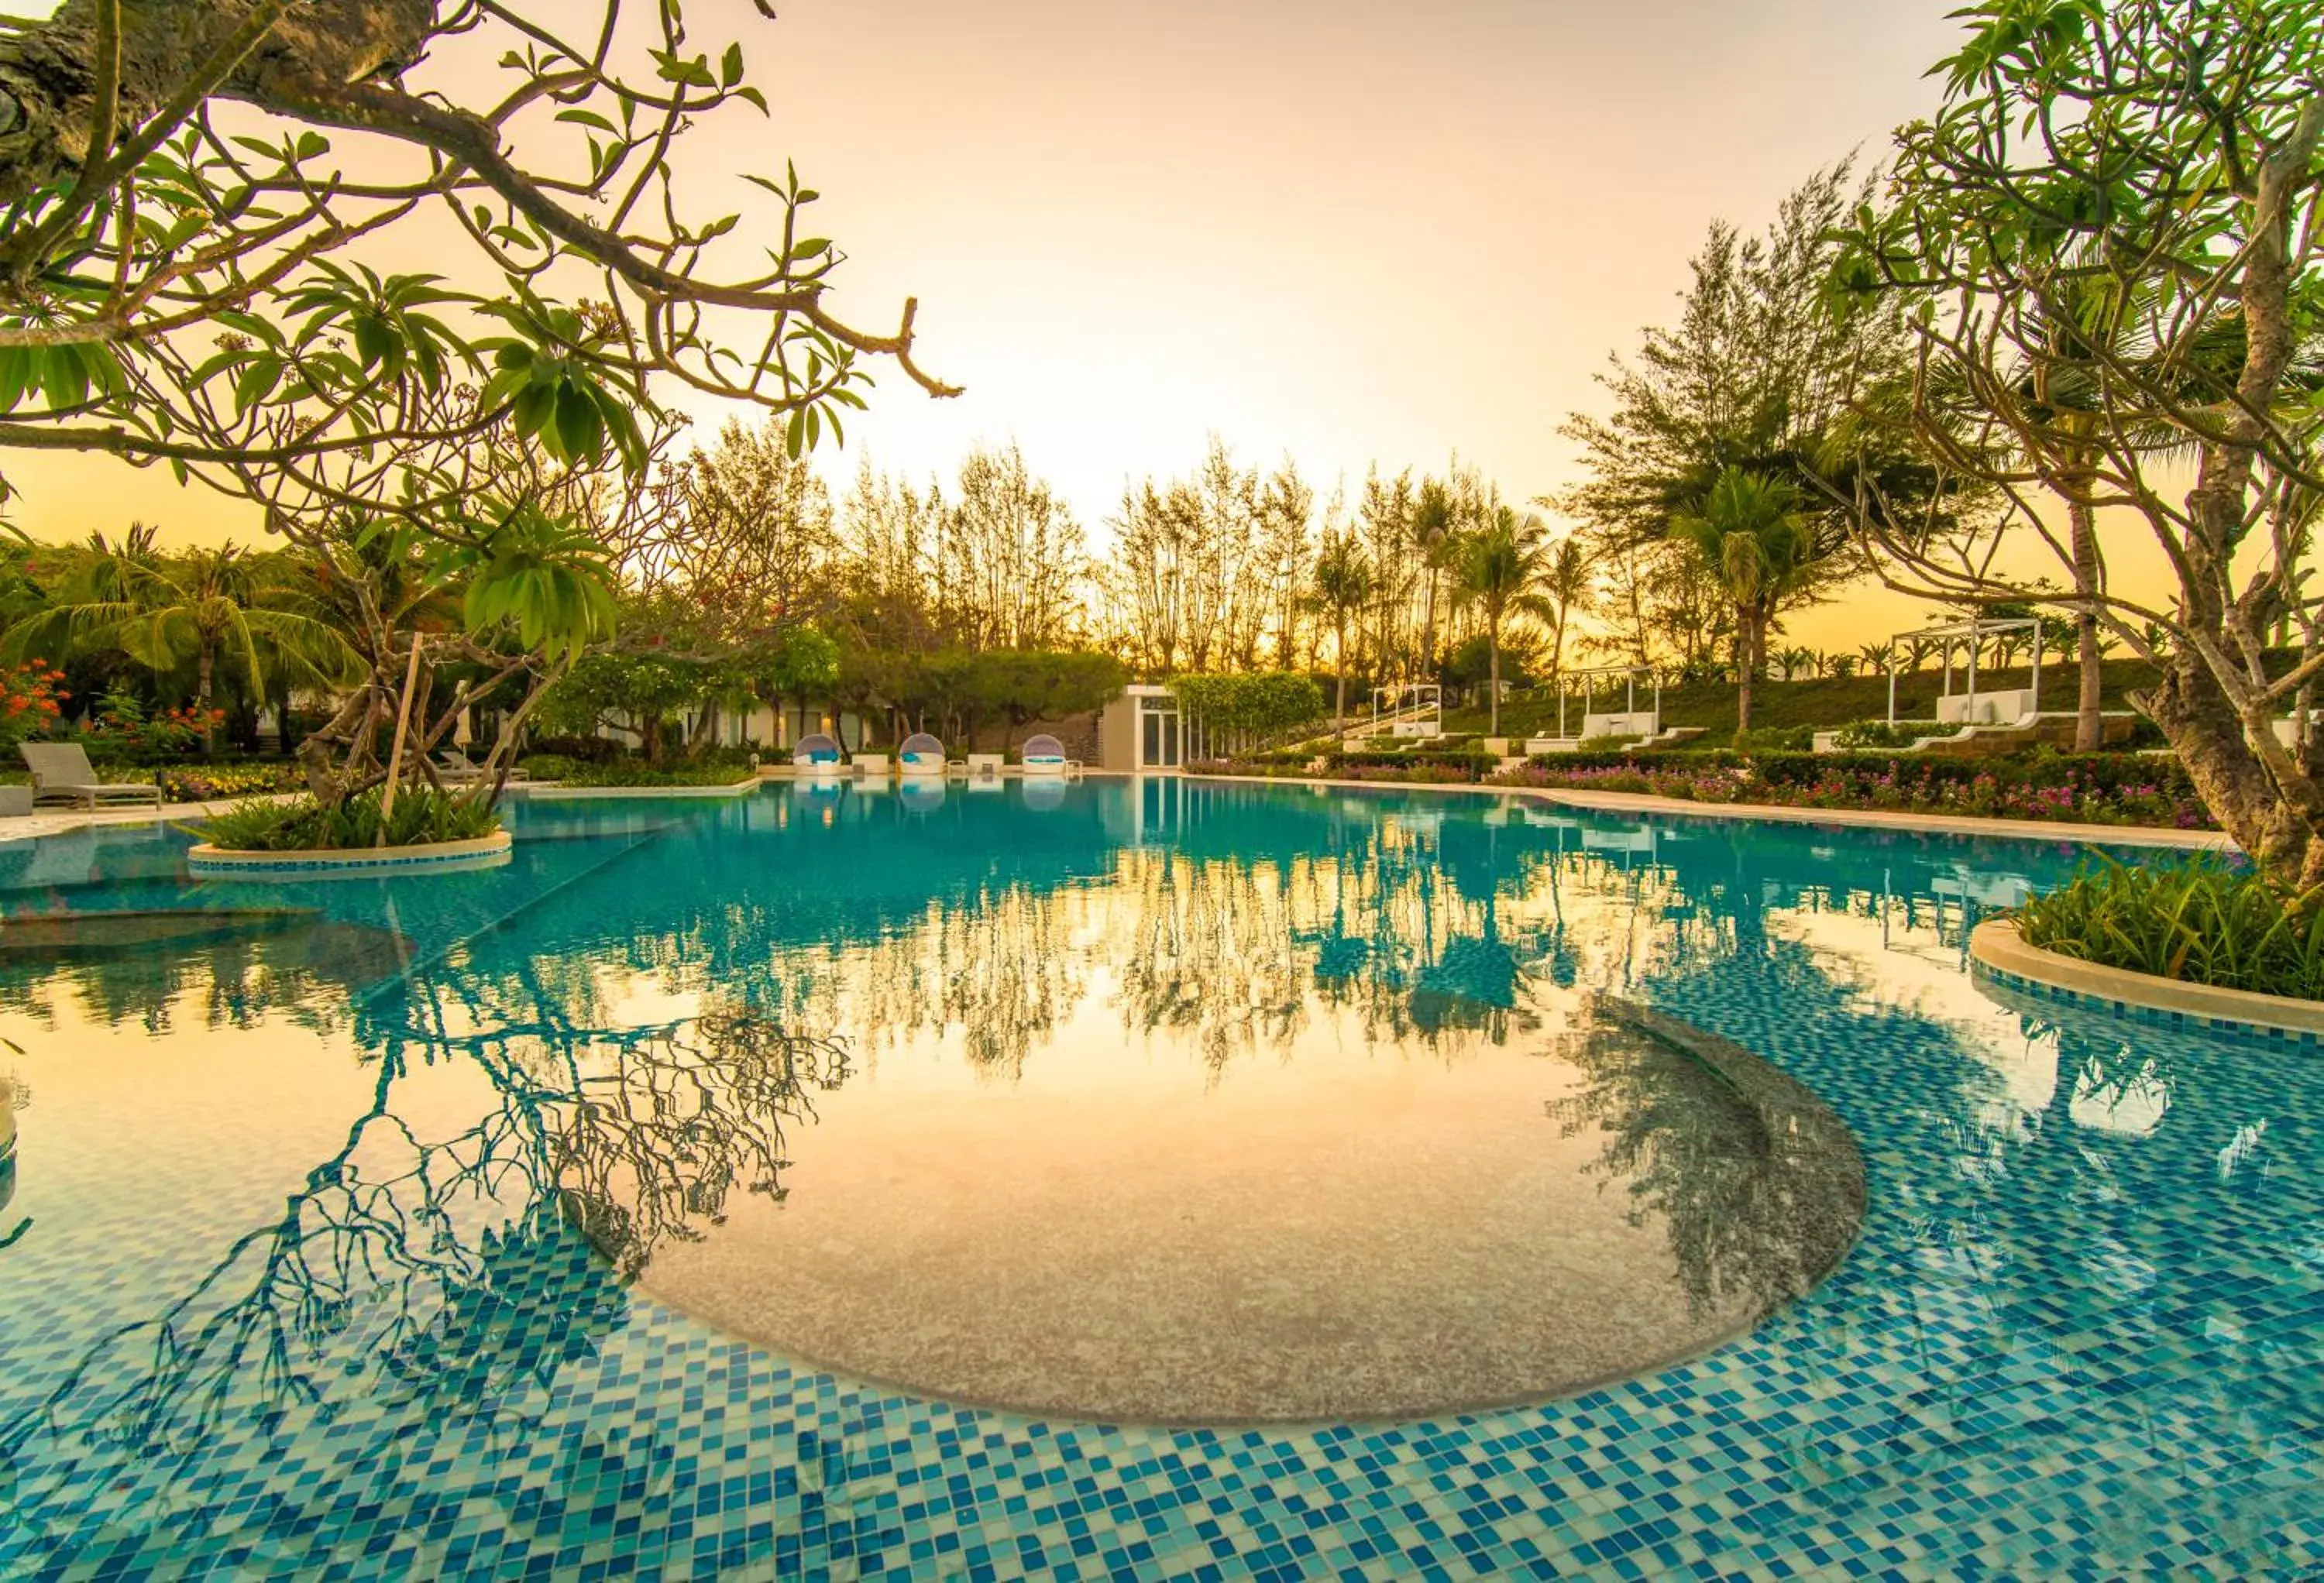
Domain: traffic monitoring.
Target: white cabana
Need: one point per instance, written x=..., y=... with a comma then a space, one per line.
x=1994, y=706
x=1629, y=721
x=921, y=755
x=817, y=755
x=1412, y=709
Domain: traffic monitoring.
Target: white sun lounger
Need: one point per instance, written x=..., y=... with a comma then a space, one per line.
x=62, y=770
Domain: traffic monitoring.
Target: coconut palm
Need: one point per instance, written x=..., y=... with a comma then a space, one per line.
x=1569, y=582
x=1340, y=590
x=1753, y=533
x=203, y=606
x=1498, y=572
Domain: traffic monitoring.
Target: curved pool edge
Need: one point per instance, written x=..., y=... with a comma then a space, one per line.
x=204, y=860
x=1999, y=953
x=1806, y=1149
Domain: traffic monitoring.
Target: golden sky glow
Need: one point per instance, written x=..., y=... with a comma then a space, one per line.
x=1344, y=229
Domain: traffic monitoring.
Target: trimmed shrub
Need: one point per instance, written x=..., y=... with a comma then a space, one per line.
x=2201, y=923
x=422, y=815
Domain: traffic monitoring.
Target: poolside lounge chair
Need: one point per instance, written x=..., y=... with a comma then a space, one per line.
x=454, y=768
x=62, y=770
x=816, y=756
x=986, y=766
x=920, y=757
x=1046, y=755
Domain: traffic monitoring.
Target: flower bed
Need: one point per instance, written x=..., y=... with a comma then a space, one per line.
x=211, y=782
x=1419, y=767
x=2079, y=789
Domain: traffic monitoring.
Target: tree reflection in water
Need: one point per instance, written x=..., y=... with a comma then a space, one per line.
x=453, y=1276
x=235, y=973
x=1760, y=1187
x=446, y=1279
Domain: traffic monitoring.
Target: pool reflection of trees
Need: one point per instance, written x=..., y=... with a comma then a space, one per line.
x=452, y=1279
x=308, y=969
x=457, y=1276
x=1757, y=1206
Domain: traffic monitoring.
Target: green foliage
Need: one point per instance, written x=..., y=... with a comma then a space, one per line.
x=1775, y=739
x=1608, y=744
x=645, y=687
x=422, y=815
x=626, y=773
x=546, y=579
x=1026, y=685
x=621, y=770
x=798, y=661
x=1879, y=734
x=2093, y=788
x=1259, y=704
x=2201, y=923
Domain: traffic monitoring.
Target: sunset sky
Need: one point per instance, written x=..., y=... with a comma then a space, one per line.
x=1346, y=229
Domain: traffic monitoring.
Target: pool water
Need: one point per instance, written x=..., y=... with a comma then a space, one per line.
x=414, y=1227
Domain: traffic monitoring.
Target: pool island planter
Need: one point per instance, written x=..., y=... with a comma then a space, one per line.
x=443, y=857
x=2000, y=953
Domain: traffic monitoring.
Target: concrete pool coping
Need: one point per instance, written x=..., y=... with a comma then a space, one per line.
x=1999, y=949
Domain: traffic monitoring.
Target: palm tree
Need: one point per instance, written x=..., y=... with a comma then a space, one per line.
x=1341, y=589
x=1567, y=581
x=1751, y=531
x=204, y=605
x=1497, y=570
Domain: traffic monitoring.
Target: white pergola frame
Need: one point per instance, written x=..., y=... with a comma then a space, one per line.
x=1973, y=633
x=1587, y=678
x=1389, y=700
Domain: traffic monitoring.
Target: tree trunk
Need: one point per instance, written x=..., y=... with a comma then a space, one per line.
x=2089, y=728
x=1493, y=655
x=48, y=76
x=1747, y=667
x=2197, y=719
x=205, y=669
x=1340, y=703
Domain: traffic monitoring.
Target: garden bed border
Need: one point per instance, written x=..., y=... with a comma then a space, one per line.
x=205, y=861
x=1999, y=954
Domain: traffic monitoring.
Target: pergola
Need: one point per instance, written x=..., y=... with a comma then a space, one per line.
x=1397, y=698
x=1589, y=679
x=1974, y=633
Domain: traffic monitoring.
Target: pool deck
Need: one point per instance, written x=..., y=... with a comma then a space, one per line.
x=71, y=821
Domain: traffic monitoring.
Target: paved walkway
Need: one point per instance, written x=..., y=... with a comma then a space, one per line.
x=65, y=821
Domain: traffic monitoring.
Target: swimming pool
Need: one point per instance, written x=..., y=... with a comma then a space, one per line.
x=358, y=1235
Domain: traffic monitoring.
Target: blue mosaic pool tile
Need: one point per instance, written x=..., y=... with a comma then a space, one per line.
x=2056, y=1353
